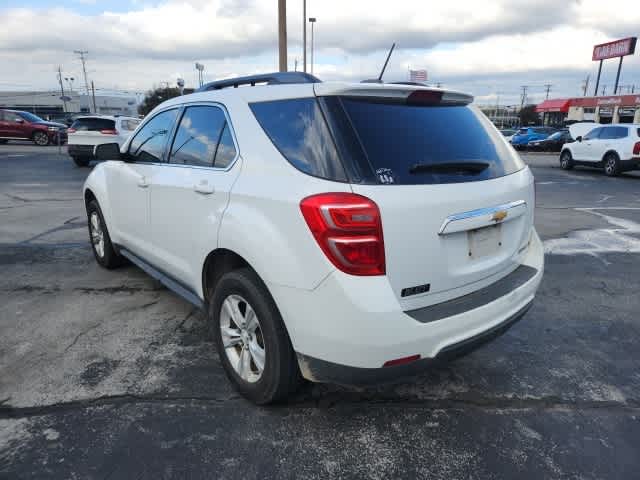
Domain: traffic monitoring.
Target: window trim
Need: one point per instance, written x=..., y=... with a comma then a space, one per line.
x=174, y=132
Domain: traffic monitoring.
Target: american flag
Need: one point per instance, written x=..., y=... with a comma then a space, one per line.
x=417, y=75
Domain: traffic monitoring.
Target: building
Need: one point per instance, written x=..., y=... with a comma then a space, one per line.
x=604, y=109
x=49, y=103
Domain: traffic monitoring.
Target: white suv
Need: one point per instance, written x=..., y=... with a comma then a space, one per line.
x=615, y=148
x=337, y=232
x=88, y=131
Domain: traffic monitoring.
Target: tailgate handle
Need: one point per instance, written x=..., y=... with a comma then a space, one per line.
x=483, y=217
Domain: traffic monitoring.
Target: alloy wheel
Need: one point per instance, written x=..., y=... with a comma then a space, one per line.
x=41, y=139
x=242, y=338
x=610, y=165
x=97, y=235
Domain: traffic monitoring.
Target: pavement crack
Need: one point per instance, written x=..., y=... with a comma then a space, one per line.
x=136, y=307
x=191, y=313
x=82, y=333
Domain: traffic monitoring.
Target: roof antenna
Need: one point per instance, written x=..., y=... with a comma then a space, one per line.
x=385, y=62
x=384, y=67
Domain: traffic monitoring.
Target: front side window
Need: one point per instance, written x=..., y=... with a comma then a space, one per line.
x=592, y=134
x=148, y=144
x=200, y=136
x=30, y=117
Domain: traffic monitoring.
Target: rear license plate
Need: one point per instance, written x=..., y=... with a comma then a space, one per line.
x=485, y=241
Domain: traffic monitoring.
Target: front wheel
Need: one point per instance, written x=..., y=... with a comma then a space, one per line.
x=611, y=164
x=566, y=161
x=41, y=139
x=100, y=239
x=252, y=341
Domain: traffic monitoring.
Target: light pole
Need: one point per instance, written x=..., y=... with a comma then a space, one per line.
x=200, y=69
x=282, y=35
x=304, y=36
x=69, y=81
x=312, y=20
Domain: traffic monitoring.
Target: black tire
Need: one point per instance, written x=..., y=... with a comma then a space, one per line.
x=41, y=139
x=611, y=164
x=280, y=376
x=81, y=161
x=107, y=256
x=566, y=160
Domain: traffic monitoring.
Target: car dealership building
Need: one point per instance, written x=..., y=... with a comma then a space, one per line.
x=604, y=109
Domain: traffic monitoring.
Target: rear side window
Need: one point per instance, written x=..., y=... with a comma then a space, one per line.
x=93, y=124
x=430, y=144
x=203, y=138
x=149, y=143
x=298, y=130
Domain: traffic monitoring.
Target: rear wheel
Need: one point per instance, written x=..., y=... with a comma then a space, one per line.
x=252, y=341
x=81, y=161
x=611, y=164
x=101, y=244
x=566, y=161
x=41, y=139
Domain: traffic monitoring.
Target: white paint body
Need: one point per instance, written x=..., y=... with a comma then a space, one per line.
x=97, y=138
x=593, y=149
x=154, y=211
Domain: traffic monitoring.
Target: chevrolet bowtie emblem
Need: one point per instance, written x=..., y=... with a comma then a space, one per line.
x=499, y=216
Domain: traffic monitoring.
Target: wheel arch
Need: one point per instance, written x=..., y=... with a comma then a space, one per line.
x=216, y=264
x=608, y=152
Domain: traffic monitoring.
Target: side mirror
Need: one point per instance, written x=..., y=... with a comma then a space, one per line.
x=579, y=138
x=107, y=151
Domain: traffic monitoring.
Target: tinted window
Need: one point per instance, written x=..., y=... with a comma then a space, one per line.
x=198, y=135
x=610, y=133
x=410, y=144
x=148, y=144
x=12, y=117
x=592, y=134
x=93, y=124
x=30, y=117
x=226, y=152
x=297, y=128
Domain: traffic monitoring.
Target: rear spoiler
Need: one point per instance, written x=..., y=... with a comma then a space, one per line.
x=394, y=93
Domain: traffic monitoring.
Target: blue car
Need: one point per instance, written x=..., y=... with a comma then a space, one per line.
x=529, y=134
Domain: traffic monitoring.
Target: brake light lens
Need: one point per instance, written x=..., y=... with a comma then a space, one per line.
x=401, y=361
x=424, y=97
x=109, y=131
x=71, y=130
x=348, y=229
x=636, y=148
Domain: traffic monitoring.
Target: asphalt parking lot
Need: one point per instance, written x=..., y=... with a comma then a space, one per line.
x=105, y=374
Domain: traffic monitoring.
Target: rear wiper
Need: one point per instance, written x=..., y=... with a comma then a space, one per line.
x=449, y=167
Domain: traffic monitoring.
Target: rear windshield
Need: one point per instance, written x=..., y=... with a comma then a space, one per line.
x=93, y=124
x=361, y=141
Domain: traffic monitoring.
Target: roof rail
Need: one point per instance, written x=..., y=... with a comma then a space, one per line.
x=276, y=78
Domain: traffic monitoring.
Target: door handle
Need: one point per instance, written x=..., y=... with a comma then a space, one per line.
x=204, y=188
x=143, y=182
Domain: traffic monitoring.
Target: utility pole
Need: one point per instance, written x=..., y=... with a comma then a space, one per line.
x=82, y=53
x=93, y=94
x=312, y=20
x=63, y=98
x=523, y=96
x=304, y=36
x=548, y=88
x=282, y=34
x=604, y=90
x=585, y=86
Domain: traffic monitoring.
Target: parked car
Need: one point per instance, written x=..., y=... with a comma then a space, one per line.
x=508, y=133
x=88, y=131
x=329, y=231
x=528, y=134
x=553, y=143
x=19, y=125
x=614, y=148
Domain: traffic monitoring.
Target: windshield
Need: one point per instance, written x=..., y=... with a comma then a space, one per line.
x=30, y=117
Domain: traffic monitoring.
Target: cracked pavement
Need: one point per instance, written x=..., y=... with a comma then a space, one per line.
x=106, y=374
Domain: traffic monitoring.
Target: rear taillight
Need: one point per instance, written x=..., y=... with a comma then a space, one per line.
x=109, y=131
x=636, y=148
x=424, y=97
x=348, y=229
x=71, y=130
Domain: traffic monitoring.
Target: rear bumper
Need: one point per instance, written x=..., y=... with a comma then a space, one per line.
x=348, y=327
x=81, y=150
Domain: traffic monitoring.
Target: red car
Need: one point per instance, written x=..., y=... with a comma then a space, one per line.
x=18, y=125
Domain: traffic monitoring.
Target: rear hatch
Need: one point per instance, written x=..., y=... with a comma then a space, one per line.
x=456, y=200
x=92, y=131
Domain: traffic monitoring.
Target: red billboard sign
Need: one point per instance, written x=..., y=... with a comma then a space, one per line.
x=618, y=48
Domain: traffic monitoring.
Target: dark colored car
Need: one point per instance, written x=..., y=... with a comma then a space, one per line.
x=18, y=125
x=553, y=143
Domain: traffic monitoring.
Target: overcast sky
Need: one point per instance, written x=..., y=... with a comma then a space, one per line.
x=485, y=47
